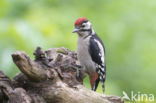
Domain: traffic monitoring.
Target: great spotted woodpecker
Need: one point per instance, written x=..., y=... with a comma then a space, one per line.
x=91, y=52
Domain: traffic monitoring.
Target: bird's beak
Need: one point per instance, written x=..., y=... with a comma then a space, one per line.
x=75, y=30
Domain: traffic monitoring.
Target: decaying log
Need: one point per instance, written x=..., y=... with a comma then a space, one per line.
x=50, y=78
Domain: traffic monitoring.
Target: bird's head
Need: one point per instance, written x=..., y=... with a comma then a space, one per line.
x=82, y=27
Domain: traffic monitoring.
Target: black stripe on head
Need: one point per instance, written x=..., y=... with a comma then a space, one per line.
x=89, y=30
x=83, y=30
x=85, y=21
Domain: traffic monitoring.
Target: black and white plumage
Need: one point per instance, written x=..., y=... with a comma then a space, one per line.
x=97, y=52
x=91, y=52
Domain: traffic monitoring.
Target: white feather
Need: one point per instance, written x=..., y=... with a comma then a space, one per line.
x=101, y=51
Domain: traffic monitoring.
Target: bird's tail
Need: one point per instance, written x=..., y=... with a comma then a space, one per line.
x=96, y=84
x=102, y=77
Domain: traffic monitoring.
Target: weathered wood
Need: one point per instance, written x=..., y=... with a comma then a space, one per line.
x=50, y=78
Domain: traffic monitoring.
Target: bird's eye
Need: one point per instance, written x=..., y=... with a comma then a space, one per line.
x=83, y=26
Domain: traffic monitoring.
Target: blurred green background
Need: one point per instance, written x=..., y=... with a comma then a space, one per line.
x=127, y=28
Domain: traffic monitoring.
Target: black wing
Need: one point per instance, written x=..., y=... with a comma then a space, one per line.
x=96, y=48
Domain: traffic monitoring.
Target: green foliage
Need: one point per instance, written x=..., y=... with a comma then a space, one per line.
x=127, y=28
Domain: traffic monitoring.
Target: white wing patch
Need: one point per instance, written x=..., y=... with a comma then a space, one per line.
x=101, y=54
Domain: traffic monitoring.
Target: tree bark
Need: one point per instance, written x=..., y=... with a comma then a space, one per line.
x=50, y=78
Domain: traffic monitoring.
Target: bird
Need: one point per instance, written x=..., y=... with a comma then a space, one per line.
x=90, y=52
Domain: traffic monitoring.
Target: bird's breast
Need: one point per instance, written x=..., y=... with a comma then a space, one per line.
x=84, y=56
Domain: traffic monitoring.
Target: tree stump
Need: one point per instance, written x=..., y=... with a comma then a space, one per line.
x=50, y=78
